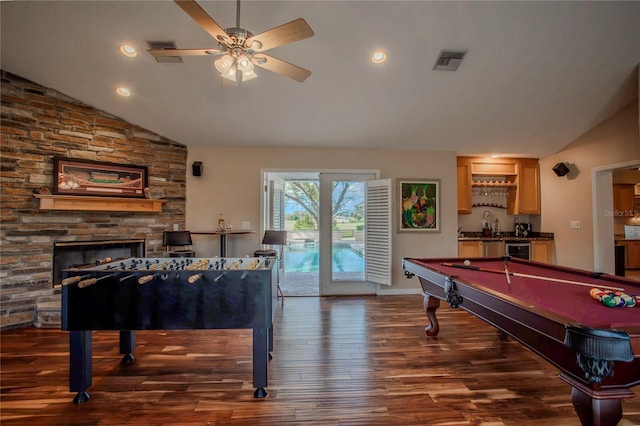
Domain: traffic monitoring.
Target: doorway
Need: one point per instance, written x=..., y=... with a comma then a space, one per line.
x=603, y=224
x=324, y=216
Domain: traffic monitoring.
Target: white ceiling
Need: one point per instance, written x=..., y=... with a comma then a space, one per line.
x=537, y=75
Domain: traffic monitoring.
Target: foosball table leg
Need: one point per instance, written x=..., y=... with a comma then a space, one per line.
x=127, y=346
x=260, y=361
x=260, y=393
x=81, y=397
x=80, y=364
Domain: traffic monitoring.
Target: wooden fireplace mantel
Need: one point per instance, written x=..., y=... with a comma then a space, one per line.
x=114, y=204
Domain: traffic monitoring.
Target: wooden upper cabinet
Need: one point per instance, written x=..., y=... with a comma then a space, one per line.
x=623, y=198
x=495, y=167
x=528, y=189
x=520, y=175
x=464, y=186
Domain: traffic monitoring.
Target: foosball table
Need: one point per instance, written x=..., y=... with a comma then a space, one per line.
x=167, y=294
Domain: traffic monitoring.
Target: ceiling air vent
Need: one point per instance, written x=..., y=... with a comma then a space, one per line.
x=448, y=61
x=164, y=45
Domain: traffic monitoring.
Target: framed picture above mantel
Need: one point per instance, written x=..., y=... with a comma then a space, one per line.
x=418, y=205
x=95, y=178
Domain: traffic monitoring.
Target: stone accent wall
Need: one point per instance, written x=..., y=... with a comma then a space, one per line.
x=38, y=123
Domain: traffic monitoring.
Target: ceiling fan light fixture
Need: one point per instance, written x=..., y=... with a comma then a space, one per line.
x=230, y=75
x=244, y=64
x=225, y=64
x=238, y=46
x=248, y=75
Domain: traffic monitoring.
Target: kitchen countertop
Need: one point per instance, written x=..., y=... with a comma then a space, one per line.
x=506, y=236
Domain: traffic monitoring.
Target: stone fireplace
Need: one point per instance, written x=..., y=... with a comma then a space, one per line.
x=38, y=124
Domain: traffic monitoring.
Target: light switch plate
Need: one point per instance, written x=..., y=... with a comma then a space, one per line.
x=575, y=224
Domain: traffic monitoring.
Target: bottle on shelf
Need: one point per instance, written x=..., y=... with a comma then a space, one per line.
x=221, y=225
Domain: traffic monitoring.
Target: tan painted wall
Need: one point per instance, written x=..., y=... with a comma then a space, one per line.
x=568, y=198
x=232, y=179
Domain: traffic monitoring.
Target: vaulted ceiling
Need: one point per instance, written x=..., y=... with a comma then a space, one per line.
x=536, y=75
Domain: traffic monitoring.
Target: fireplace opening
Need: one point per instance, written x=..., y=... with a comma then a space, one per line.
x=79, y=253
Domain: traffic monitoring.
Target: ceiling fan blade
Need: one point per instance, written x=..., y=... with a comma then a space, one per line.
x=198, y=14
x=281, y=67
x=279, y=36
x=161, y=53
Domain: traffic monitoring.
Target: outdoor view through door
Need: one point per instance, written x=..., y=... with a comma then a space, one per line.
x=347, y=225
x=325, y=224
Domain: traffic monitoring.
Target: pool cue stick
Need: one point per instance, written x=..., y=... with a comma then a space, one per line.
x=536, y=277
x=506, y=268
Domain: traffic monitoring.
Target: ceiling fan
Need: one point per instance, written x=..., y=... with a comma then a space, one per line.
x=240, y=50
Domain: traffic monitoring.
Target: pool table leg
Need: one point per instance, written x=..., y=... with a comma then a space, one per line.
x=596, y=412
x=431, y=303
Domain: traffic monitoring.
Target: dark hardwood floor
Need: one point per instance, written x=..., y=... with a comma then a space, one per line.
x=337, y=361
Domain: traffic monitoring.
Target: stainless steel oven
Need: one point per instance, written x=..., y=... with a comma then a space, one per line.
x=520, y=249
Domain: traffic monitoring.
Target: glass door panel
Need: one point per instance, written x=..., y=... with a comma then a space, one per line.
x=347, y=242
x=342, y=229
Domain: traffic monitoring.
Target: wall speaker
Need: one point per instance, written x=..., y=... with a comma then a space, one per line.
x=196, y=168
x=560, y=169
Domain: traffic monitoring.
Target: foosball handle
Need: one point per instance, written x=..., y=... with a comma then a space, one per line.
x=87, y=283
x=71, y=280
x=145, y=279
x=193, y=278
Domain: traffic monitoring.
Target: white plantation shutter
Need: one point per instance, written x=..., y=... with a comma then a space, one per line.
x=276, y=204
x=378, y=232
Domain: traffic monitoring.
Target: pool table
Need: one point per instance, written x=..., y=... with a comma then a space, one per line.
x=548, y=309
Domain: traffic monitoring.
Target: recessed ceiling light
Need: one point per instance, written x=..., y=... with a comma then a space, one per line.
x=378, y=57
x=128, y=51
x=123, y=91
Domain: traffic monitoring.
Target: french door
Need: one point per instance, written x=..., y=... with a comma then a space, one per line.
x=343, y=230
x=353, y=236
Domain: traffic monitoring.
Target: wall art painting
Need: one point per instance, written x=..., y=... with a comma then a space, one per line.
x=418, y=205
x=84, y=177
